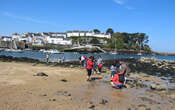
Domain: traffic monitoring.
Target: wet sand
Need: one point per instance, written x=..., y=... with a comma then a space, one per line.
x=21, y=90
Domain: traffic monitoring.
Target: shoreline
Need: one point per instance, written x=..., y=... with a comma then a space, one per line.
x=149, y=66
x=66, y=87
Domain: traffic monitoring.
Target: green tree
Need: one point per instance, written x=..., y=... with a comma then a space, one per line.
x=110, y=31
x=96, y=31
x=94, y=41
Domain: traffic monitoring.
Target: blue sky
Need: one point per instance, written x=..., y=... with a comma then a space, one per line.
x=156, y=18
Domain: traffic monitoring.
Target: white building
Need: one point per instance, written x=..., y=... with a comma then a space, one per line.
x=58, y=40
x=6, y=38
x=73, y=33
x=54, y=34
x=16, y=37
x=87, y=33
x=39, y=40
x=27, y=39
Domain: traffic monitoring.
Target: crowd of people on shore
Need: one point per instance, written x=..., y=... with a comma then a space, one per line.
x=118, y=69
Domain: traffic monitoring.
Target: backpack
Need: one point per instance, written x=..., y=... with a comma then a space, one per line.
x=100, y=65
x=121, y=78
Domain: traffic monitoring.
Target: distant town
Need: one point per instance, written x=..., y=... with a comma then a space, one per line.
x=78, y=41
x=57, y=38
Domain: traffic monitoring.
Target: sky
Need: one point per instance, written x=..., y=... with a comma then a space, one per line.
x=156, y=18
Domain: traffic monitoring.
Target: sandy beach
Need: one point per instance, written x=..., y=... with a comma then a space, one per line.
x=66, y=88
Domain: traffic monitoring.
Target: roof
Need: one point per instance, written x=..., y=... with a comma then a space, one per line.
x=6, y=37
x=77, y=31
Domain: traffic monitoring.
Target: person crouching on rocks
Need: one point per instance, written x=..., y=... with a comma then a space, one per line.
x=89, y=67
x=118, y=80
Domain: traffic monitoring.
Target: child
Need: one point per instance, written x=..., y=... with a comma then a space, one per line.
x=99, y=63
x=113, y=70
x=89, y=67
x=95, y=67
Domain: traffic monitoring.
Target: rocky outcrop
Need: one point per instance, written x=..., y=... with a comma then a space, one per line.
x=159, y=87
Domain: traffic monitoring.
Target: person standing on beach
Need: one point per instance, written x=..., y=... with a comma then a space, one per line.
x=47, y=58
x=99, y=64
x=89, y=67
x=95, y=67
x=124, y=69
x=82, y=60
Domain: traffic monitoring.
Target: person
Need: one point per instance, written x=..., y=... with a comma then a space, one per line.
x=95, y=67
x=117, y=82
x=60, y=60
x=47, y=58
x=117, y=65
x=89, y=67
x=124, y=69
x=85, y=61
x=113, y=70
x=119, y=78
x=99, y=64
x=82, y=59
x=63, y=59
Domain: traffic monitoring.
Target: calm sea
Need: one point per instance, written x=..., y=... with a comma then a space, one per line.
x=70, y=56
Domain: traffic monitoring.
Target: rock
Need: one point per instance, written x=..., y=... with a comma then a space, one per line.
x=63, y=80
x=41, y=74
x=52, y=99
x=103, y=101
x=92, y=106
x=172, y=96
x=129, y=108
x=43, y=94
x=71, y=66
x=141, y=107
x=140, y=84
x=159, y=86
x=65, y=93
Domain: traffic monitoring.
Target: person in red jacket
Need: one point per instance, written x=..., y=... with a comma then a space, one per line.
x=89, y=67
x=118, y=80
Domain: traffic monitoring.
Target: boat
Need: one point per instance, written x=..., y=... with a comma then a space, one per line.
x=13, y=50
x=27, y=49
x=139, y=53
x=52, y=51
x=113, y=53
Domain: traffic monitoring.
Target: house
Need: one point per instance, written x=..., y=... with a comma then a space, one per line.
x=6, y=38
x=16, y=37
x=87, y=33
x=39, y=40
x=74, y=33
x=54, y=34
x=26, y=39
x=58, y=40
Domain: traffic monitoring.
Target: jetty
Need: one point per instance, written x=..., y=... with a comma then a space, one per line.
x=90, y=48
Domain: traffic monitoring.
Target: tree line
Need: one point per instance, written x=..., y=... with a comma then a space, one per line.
x=130, y=41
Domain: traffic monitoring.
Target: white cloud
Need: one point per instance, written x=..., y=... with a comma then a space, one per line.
x=29, y=19
x=120, y=2
x=124, y=4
